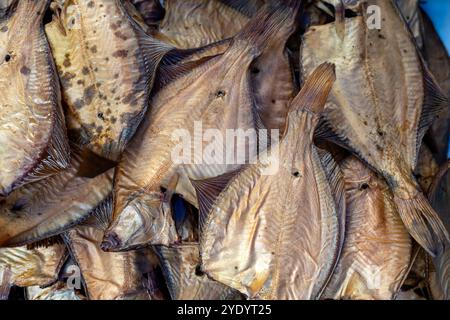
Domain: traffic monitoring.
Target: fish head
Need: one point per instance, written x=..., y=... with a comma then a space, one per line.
x=145, y=220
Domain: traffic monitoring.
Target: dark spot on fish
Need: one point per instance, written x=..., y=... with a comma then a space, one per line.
x=113, y=120
x=66, y=62
x=101, y=116
x=96, y=69
x=72, y=22
x=364, y=186
x=94, y=49
x=4, y=29
x=220, y=94
x=113, y=90
x=381, y=36
x=78, y=104
x=108, y=111
x=89, y=94
x=120, y=35
x=18, y=205
x=91, y=4
x=106, y=59
x=99, y=129
x=66, y=77
x=296, y=174
x=116, y=76
x=130, y=99
x=101, y=6
x=7, y=58
x=25, y=71
x=80, y=82
x=255, y=70
x=273, y=101
x=114, y=26
x=198, y=271
x=108, y=104
x=365, y=122
x=379, y=148
x=95, y=31
x=405, y=51
x=85, y=70
x=120, y=54
x=380, y=133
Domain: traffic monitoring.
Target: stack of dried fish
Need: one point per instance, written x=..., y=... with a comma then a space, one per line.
x=341, y=191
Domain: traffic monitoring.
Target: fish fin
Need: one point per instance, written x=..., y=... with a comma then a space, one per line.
x=336, y=181
x=315, y=90
x=5, y=283
x=246, y=7
x=262, y=28
x=45, y=243
x=170, y=259
x=169, y=72
x=434, y=102
x=101, y=216
x=432, y=194
x=207, y=192
x=93, y=164
x=423, y=223
x=340, y=19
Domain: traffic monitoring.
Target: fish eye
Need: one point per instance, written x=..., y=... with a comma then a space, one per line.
x=220, y=94
x=7, y=58
x=296, y=174
x=198, y=271
x=364, y=186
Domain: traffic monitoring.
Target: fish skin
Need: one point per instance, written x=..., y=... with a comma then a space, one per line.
x=439, y=196
x=48, y=207
x=180, y=266
x=146, y=165
x=36, y=267
x=33, y=142
x=410, y=11
x=390, y=140
x=375, y=238
x=106, y=64
x=262, y=245
x=426, y=168
x=57, y=291
x=196, y=23
x=117, y=275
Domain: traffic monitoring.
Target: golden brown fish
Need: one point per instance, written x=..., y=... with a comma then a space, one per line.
x=217, y=95
x=277, y=236
x=116, y=275
x=181, y=268
x=196, y=23
x=31, y=267
x=44, y=208
x=383, y=102
x=377, y=248
x=106, y=64
x=33, y=143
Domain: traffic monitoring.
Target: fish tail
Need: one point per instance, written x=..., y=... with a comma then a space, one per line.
x=315, y=90
x=423, y=223
x=5, y=283
x=265, y=25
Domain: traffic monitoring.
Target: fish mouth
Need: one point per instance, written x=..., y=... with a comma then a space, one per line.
x=111, y=241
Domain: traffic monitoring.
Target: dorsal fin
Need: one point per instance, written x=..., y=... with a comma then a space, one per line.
x=207, y=192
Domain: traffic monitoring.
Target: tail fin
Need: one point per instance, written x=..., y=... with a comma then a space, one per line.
x=262, y=28
x=423, y=223
x=314, y=92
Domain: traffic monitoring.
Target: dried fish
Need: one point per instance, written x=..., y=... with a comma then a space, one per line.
x=106, y=64
x=32, y=267
x=181, y=268
x=33, y=143
x=383, y=102
x=226, y=102
x=58, y=291
x=262, y=245
x=117, y=275
x=377, y=249
x=44, y=208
